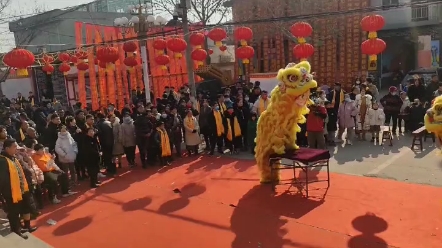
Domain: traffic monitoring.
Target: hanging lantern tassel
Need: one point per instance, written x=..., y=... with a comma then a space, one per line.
x=373, y=57
x=372, y=35
x=110, y=67
x=160, y=52
x=243, y=43
x=130, y=54
x=163, y=67
x=245, y=61
x=301, y=40
x=22, y=72
x=200, y=63
x=178, y=55
x=218, y=43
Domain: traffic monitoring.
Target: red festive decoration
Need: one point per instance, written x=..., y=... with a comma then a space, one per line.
x=64, y=57
x=371, y=24
x=199, y=55
x=301, y=30
x=303, y=51
x=217, y=35
x=177, y=45
x=80, y=54
x=73, y=60
x=130, y=46
x=243, y=34
x=82, y=66
x=20, y=59
x=197, y=39
x=109, y=55
x=211, y=51
x=47, y=59
x=223, y=48
x=160, y=45
x=245, y=53
x=102, y=64
x=373, y=47
x=64, y=68
x=130, y=62
x=48, y=68
x=162, y=60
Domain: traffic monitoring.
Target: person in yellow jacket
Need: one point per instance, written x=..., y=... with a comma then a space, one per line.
x=162, y=141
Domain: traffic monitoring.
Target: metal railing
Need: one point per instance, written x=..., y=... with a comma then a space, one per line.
x=426, y=12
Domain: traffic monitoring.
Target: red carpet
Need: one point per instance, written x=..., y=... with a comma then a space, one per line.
x=218, y=203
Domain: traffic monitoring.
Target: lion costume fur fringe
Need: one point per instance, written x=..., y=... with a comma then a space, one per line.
x=278, y=125
x=433, y=119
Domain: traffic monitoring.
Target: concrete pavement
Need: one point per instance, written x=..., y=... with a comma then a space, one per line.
x=398, y=162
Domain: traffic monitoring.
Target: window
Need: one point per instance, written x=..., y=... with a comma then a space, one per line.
x=419, y=13
x=390, y=2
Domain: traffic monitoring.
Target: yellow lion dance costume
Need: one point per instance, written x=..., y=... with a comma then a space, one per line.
x=278, y=125
x=433, y=118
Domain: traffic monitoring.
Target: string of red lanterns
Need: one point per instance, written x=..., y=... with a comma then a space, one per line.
x=19, y=59
x=130, y=48
x=198, y=54
x=244, y=52
x=303, y=50
x=373, y=46
x=177, y=46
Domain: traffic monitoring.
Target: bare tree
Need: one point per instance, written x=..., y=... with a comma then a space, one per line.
x=203, y=11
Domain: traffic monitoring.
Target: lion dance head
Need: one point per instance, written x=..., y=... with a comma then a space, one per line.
x=433, y=118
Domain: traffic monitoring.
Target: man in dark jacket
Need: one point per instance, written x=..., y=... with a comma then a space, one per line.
x=416, y=91
x=51, y=132
x=143, y=132
x=392, y=104
x=106, y=138
x=431, y=88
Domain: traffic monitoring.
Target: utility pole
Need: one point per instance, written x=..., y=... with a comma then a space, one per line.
x=184, y=6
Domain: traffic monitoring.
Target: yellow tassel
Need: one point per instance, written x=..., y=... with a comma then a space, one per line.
x=218, y=43
x=243, y=43
x=178, y=55
x=373, y=57
x=301, y=40
x=22, y=72
x=199, y=63
x=198, y=47
x=160, y=52
x=245, y=61
x=372, y=35
x=163, y=67
x=303, y=59
x=110, y=67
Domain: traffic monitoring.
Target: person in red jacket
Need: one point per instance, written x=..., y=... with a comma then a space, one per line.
x=315, y=126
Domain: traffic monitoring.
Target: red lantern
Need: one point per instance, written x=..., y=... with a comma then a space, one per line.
x=80, y=54
x=199, y=55
x=162, y=60
x=223, y=48
x=20, y=59
x=211, y=51
x=243, y=34
x=73, y=60
x=102, y=64
x=373, y=47
x=100, y=53
x=64, y=68
x=177, y=45
x=160, y=45
x=301, y=30
x=372, y=23
x=217, y=35
x=130, y=46
x=303, y=51
x=109, y=55
x=130, y=62
x=48, y=68
x=47, y=59
x=82, y=66
x=197, y=39
x=245, y=53
x=64, y=57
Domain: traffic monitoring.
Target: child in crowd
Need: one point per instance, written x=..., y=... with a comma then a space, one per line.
x=162, y=144
x=346, y=117
x=67, y=150
x=376, y=119
x=315, y=125
x=251, y=131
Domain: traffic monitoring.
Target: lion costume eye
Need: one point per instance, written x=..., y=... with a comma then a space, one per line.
x=293, y=78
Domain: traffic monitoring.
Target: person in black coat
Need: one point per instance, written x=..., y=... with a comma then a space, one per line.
x=242, y=113
x=51, y=133
x=416, y=91
x=106, y=137
x=216, y=130
x=176, y=130
x=92, y=152
x=39, y=119
x=143, y=132
x=392, y=104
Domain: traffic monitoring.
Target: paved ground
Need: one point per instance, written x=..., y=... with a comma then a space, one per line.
x=398, y=162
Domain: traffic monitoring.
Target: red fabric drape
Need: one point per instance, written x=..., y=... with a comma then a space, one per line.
x=81, y=74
